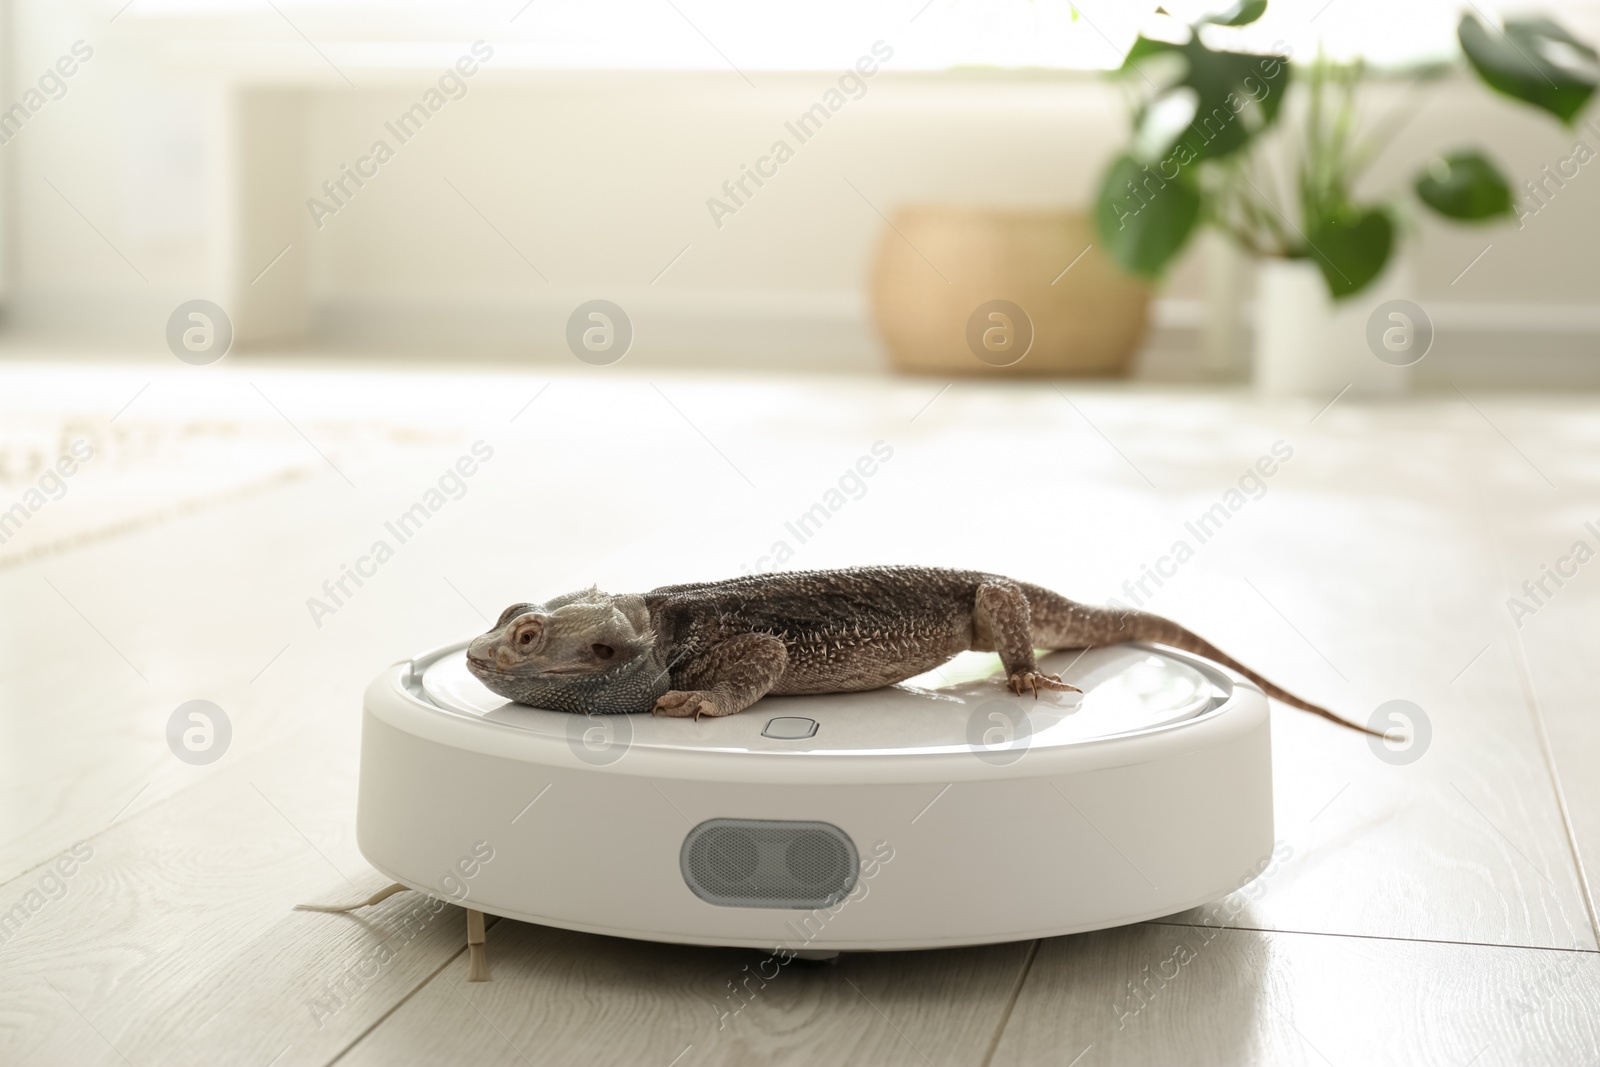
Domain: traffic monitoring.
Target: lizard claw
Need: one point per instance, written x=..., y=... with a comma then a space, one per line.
x=682, y=704
x=1033, y=681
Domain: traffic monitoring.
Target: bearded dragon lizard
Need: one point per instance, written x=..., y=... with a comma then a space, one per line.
x=715, y=648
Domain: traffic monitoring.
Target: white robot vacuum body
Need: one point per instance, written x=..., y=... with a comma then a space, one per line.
x=943, y=811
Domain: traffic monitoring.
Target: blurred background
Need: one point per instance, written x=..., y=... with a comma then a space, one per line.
x=579, y=159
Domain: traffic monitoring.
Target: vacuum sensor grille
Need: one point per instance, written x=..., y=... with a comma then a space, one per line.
x=769, y=863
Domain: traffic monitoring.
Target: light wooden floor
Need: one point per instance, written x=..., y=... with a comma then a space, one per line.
x=1433, y=912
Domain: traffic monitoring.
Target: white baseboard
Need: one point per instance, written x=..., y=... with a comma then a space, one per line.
x=804, y=332
x=1518, y=346
x=1536, y=346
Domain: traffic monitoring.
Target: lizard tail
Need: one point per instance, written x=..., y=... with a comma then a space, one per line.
x=1059, y=623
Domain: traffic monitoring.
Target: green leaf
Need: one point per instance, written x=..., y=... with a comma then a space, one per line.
x=1235, y=96
x=1239, y=95
x=1351, y=248
x=1533, y=60
x=1242, y=13
x=1145, y=47
x=1144, y=218
x=1464, y=185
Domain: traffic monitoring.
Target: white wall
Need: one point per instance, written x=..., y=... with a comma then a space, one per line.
x=601, y=180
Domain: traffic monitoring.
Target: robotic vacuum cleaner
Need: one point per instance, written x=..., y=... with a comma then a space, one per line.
x=939, y=812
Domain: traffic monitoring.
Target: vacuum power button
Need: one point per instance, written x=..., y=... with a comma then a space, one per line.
x=790, y=728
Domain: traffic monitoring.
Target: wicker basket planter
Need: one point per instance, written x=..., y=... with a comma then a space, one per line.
x=948, y=284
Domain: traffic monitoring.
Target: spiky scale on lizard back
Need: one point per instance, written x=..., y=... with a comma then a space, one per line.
x=714, y=648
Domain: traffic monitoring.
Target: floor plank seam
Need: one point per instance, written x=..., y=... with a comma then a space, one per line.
x=1525, y=675
x=1011, y=1004
x=107, y=828
x=1519, y=654
x=1380, y=937
x=490, y=921
x=161, y=804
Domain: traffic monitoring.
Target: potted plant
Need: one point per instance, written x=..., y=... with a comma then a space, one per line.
x=1201, y=120
x=973, y=290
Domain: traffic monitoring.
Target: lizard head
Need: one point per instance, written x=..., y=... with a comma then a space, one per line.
x=586, y=642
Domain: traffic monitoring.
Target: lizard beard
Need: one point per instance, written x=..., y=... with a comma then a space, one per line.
x=630, y=688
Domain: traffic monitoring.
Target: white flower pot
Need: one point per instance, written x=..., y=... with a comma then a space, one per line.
x=1306, y=344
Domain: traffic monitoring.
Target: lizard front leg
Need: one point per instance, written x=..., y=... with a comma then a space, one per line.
x=727, y=678
x=1002, y=620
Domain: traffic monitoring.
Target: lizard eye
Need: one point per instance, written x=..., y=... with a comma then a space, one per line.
x=526, y=638
x=603, y=651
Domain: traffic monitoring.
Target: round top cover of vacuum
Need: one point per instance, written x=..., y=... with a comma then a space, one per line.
x=961, y=706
